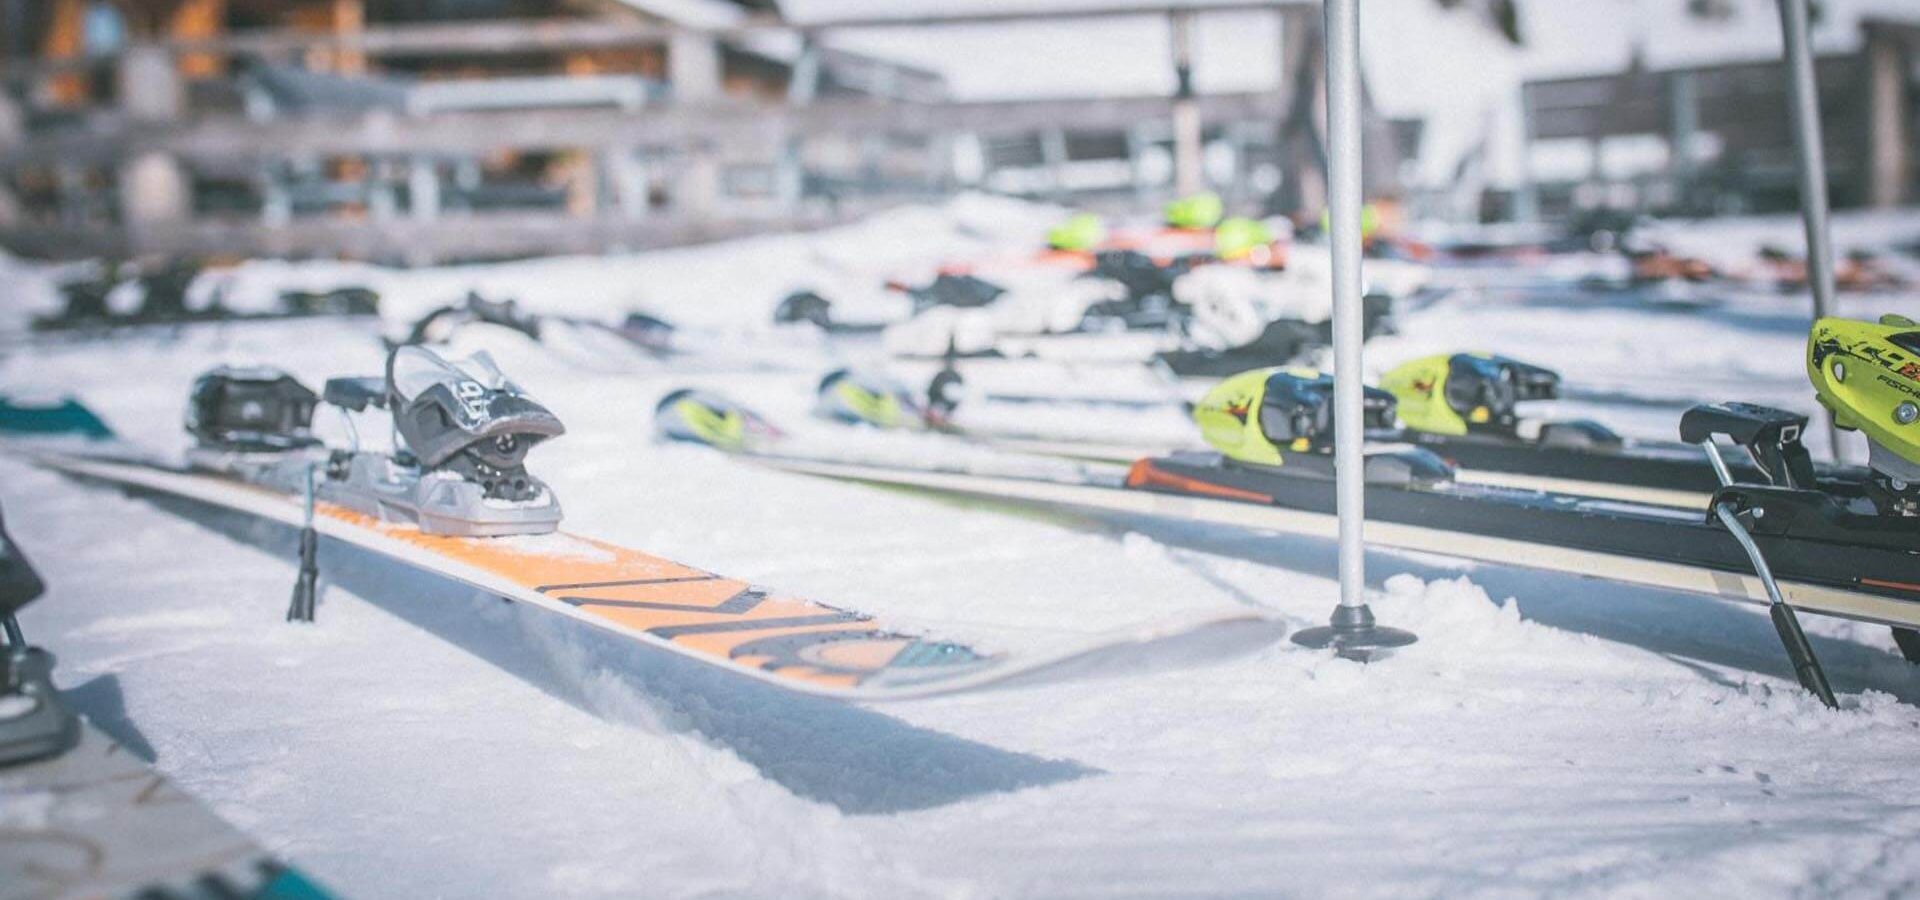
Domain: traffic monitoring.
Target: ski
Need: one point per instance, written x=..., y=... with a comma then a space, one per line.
x=456, y=499
x=1844, y=548
x=86, y=817
x=1466, y=407
x=865, y=399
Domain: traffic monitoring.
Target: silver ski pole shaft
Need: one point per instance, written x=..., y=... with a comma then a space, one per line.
x=1806, y=667
x=1344, y=200
x=1352, y=631
x=1810, y=157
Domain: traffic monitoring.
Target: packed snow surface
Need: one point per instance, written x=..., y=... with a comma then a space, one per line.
x=1548, y=735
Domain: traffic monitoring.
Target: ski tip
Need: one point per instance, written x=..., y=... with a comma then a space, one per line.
x=704, y=417
x=51, y=418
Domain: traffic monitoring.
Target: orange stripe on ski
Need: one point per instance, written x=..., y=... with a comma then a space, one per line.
x=1145, y=475
x=696, y=609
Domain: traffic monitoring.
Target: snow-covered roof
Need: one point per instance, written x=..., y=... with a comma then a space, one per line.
x=1598, y=37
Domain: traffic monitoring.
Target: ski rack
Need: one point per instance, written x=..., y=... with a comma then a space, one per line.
x=1772, y=438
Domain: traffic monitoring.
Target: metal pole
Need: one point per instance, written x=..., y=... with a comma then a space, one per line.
x=1803, y=100
x=1352, y=631
x=1343, y=208
x=1188, y=176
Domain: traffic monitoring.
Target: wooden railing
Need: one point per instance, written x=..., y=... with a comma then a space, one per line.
x=658, y=174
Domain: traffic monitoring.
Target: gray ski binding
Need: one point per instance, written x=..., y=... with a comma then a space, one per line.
x=461, y=434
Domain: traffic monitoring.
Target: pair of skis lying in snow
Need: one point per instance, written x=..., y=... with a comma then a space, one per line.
x=1835, y=540
x=456, y=500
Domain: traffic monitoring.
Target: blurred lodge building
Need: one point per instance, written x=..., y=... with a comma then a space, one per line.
x=91, y=77
x=423, y=130
x=1705, y=139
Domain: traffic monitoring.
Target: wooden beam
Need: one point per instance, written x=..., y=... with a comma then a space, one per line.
x=1011, y=16
x=522, y=36
x=403, y=240
x=106, y=138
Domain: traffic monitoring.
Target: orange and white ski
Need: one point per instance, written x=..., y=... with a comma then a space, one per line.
x=663, y=605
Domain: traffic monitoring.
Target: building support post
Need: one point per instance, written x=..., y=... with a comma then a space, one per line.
x=1189, y=177
x=1053, y=151
x=1352, y=632
x=1683, y=128
x=1302, y=152
x=803, y=85
x=423, y=189
x=154, y=188
x=1803, y=100
x=627, y=173
x=693, y=70
x=1137, y=144
x=1526, y=202
x=1888, y=153
x=12, y=132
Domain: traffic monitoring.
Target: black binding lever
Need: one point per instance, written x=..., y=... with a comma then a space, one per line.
x=356, y=394
x=33, y=721
x=1772, y=438
x=1531, y=382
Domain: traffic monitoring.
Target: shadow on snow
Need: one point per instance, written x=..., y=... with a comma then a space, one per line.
x=830, y=751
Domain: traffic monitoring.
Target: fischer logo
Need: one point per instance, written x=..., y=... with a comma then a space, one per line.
x=1900, y=386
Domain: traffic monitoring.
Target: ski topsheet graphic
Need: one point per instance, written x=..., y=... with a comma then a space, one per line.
x=94, y=821
x=81, y=815
x=797, y=644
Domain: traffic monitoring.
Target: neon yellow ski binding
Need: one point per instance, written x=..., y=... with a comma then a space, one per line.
x=1868, y=376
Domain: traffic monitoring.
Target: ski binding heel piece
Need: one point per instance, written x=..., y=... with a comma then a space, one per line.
x=356, y=394
x=1771, y=436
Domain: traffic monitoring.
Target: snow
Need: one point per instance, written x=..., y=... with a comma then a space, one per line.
x=1548, y=735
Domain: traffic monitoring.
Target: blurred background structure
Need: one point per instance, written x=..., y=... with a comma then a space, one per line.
x=439, y=130
x=1708, y=137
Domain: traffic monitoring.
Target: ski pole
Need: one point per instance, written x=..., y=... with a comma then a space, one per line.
x=16, y=651
x=1810, y=163
x=1806, y=667
x=302, y=607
